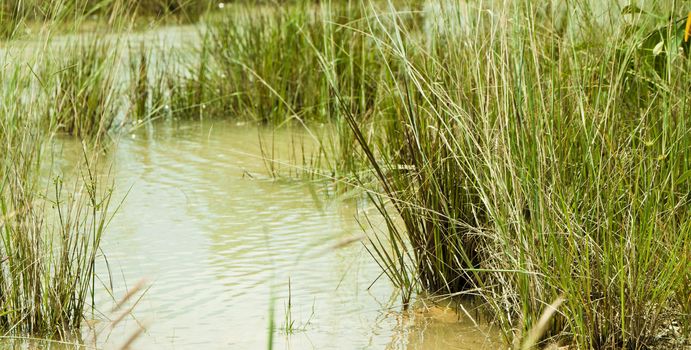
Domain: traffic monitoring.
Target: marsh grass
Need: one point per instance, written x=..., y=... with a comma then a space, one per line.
x=192, y=91
x=270, y=61
x=301, y=65
x=50, y=227
x=263, y=59
x=83, y=85
x=265, y=66
x=530, y=162
x=526, y=153
x=184, y=11
x=290, y=324
x=149, y=87
x=142, y=92
x=17, y=16
x=49, y=235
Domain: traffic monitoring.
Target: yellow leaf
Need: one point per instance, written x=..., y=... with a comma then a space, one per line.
x=687, y=31
x=658, y=48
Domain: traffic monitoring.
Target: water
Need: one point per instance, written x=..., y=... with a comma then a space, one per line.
x=216, y=240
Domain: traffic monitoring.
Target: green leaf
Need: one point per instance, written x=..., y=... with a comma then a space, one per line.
x=684, y=177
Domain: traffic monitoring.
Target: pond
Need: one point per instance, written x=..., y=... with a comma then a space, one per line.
x=218, y=242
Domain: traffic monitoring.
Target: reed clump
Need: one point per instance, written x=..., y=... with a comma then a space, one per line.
x=83, y=84
x=532, y=160
x=51, y=226
x=277, y=66
x=187, y=11
x=267, y=64
x=50, y=231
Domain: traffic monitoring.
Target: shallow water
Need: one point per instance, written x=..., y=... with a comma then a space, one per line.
x=216, y=240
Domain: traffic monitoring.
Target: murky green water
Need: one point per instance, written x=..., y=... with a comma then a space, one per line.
x=217, y=240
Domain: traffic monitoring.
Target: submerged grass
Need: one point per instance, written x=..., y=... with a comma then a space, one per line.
x=290, y=324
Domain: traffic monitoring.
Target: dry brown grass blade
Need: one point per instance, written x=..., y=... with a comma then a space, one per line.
x=347, y=241
x=136, y=288
x=539, y=329
x=132, y=338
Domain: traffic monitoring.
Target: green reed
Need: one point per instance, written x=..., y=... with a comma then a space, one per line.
x=279, y=65
x=536, y=154
x=148, y=83
x=18, y=15
x=50, y=232
x=51, y=223
x=83, y=84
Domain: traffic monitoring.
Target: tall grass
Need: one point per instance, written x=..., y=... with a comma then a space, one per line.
x=81, y=76
x=183, y=10
x=533, y=159
x=50, y=227
x=527, y=153
x=83, y=83
x=264, y=64
x=49, y=233
x=18, y=15
x=299, y=64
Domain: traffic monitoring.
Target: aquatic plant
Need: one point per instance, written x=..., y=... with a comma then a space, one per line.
x=276, y=65
x=148, y=84
x=50, y=233
x=535, y=156
x=16, y=13
x=192, y=88
x=82, y=84
x=290, y=324
x=267, y=61
x=531, y=160
x=50, y=226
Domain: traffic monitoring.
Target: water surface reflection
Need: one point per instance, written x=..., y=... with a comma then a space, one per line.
x=217, y=240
